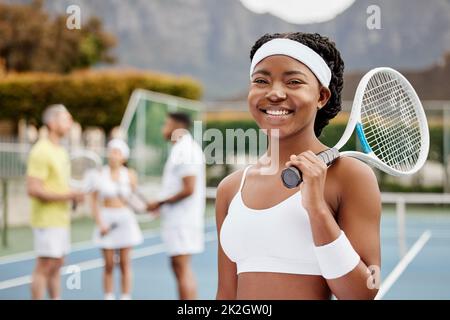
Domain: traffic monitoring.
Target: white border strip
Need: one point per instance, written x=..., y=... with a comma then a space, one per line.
x=401, y=266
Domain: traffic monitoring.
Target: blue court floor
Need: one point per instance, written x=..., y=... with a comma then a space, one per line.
x=426, y=276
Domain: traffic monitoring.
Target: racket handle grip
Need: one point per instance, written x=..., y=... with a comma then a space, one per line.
x=74, y=205
x=111, y=228
x=292, y=176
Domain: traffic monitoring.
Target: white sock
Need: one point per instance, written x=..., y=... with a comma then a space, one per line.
x=125, y=296
x=110, y=296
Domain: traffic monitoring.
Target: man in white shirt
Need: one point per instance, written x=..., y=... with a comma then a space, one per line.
x=182, y=201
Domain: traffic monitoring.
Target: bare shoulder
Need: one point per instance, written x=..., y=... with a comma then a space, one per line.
x=228, y=187
x=226, y=190
x=358, y=189
x=132, y=174
x=352, y=172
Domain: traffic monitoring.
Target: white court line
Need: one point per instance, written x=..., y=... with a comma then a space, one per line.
x=444, y=235
x=78, y=246
x=98, y=263
x=401, y=266
x=83, y=245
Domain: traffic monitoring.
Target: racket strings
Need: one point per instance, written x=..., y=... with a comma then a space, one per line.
x=377, y=86
x=82, y=169
x=391, y=115
x=389, y=151
x=79, y=166
x=390, y=122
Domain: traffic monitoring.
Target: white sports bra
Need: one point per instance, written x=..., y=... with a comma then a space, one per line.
x=107, y=188
x=277, y=239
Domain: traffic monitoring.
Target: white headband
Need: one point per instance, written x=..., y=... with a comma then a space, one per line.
x=295, y=50
x=121, y=146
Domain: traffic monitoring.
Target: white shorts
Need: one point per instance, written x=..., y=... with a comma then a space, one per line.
x=183, y=240
x=126, y=234
x=51, y=242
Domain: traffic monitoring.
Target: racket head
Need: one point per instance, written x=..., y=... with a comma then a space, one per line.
x=84, y=164
x=137, y=202
x=390, y=123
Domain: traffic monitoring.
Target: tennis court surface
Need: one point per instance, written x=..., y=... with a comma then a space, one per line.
x=422, y=273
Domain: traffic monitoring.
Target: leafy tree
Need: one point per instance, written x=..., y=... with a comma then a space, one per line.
x=30, y=40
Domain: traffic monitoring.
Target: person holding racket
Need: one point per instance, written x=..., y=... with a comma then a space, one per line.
x=321, y=238
x=117, y=227
x=182, y=202
x=48, y=172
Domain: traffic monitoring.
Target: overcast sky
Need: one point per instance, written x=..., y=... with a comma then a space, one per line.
x=300, y=11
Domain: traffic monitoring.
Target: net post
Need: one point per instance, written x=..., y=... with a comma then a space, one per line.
x=446, y=146
x=141, y=114
x=5, y=213
x=401, y=225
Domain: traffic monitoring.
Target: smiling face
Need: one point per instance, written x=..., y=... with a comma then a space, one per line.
x=284, y=94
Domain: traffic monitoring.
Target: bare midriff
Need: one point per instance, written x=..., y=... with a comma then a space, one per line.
x=113, y=203
x=273, y=286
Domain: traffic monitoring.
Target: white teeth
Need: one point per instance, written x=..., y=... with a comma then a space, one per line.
x=277, y=112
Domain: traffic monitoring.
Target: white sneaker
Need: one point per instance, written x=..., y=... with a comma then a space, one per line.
x=125, y=296
x=110, y=296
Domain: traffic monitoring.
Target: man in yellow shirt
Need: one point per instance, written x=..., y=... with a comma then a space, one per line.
x=48, y=175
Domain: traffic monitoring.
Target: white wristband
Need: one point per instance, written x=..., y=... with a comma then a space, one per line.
x=337, y=258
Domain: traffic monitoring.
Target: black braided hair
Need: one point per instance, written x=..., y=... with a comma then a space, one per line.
x=327, y=50
x=181, y=117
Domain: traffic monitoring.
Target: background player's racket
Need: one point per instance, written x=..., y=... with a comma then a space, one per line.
x=137, y=202
x=84, y=165
x=390, y=124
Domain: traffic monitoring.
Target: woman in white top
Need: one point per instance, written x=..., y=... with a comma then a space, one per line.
x=321, y=238
x=117, y=228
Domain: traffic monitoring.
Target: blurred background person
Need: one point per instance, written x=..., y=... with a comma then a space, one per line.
x=117, y=228
x=182, y=202
x=48, y=173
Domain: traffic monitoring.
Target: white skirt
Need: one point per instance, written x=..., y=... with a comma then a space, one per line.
x=126, y=232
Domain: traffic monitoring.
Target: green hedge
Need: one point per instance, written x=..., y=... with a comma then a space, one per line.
x=96, y=98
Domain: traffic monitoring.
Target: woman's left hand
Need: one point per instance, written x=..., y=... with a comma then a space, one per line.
x=153, y=205
x=314, y=172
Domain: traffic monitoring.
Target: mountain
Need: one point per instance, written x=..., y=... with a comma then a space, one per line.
x=211, y=39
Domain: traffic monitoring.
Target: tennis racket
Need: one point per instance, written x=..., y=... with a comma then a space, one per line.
x=390, y=124
x=137, y=202
x=111, y=228
x=84, y=165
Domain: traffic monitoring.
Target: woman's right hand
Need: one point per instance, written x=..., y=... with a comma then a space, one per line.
x=76, y=196
x=103, y=230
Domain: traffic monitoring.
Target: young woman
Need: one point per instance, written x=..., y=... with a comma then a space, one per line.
x=322, y=238
x=117, y=228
